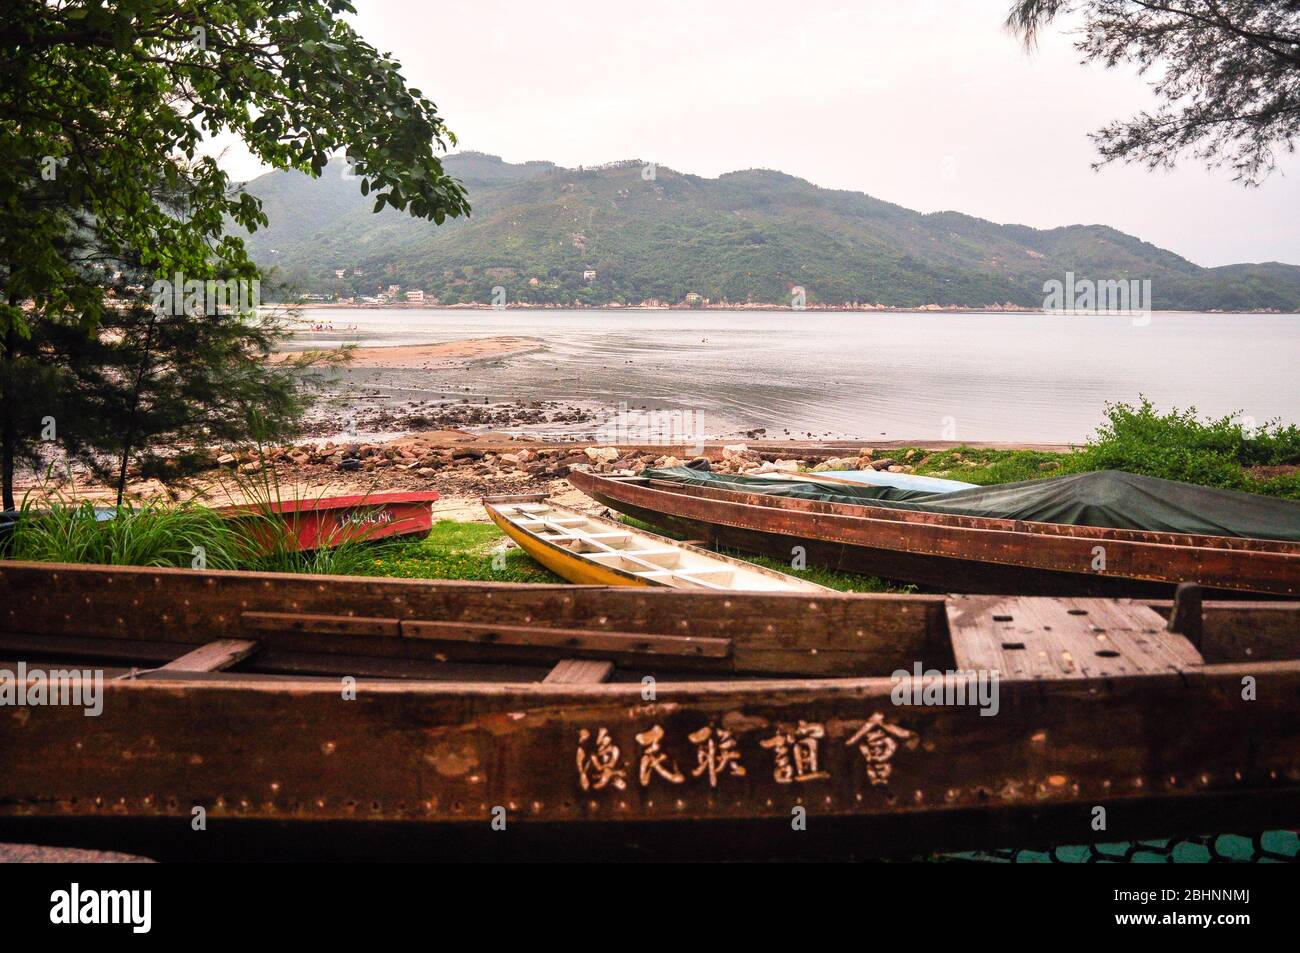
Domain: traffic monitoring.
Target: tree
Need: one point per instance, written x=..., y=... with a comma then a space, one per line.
x=1227, y=74
x=105, y=104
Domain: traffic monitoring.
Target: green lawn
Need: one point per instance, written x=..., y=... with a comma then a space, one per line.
x=458, y=551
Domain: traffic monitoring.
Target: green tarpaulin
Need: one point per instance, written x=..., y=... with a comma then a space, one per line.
x=1108, y=498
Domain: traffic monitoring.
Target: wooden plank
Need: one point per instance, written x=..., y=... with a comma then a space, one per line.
x=213, y=657
x=1025, y=637
x=320, y=624
x=574, y=671
x=630, y=643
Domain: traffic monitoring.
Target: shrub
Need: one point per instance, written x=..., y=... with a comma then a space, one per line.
x=1179, y=445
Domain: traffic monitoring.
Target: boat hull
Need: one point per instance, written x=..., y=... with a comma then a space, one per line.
x=566, y=565
x=330, y=521
x=956, y=554
x=1175, y=748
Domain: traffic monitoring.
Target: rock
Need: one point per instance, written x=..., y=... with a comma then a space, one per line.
x=700, y=463
x=786, y=466
x=510, y=458
x=226, y=460
x=884, y=464
x=601, y=454
x=349, y=463
x=739, y=455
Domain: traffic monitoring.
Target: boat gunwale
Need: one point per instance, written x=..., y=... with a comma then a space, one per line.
x=1035, y=527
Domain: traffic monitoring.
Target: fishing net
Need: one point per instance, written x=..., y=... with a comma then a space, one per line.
x=1268, y=847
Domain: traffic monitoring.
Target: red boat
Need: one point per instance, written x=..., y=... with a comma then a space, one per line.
x=330, y=520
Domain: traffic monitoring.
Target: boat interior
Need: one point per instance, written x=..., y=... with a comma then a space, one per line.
x=160, y=624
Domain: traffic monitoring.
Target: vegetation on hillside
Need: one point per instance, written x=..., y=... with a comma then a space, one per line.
x=538, y=231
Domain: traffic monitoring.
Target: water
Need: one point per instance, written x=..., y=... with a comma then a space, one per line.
x=1013, y=377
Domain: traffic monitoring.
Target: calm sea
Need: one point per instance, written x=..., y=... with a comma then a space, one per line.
x=872, y=376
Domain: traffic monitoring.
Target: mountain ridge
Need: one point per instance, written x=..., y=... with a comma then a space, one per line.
x=652, y=234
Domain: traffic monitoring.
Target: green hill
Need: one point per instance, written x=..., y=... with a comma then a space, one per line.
x=746, y=236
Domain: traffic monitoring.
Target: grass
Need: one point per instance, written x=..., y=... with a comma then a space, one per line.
x=454, y=550
x=986, y=467
x=151, y=534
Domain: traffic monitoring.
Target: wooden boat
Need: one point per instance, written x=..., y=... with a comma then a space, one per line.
x=956, y=553
x=598, y=551
x=633, y=715
x=331, y=520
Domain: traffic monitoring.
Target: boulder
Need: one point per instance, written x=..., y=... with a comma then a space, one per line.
x=601, y=454
x=738, y=455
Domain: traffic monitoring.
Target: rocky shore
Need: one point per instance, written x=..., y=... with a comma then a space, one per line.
x=464, y=466
x=424, y=415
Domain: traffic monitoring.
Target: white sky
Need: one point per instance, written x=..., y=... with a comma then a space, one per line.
x=931, y=104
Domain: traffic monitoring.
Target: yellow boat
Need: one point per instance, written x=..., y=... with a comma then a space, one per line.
x=597, y=551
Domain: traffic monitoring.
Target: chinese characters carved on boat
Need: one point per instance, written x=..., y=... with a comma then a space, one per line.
x=793, y=754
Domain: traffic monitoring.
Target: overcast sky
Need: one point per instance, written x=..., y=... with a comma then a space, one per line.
x=931, y=104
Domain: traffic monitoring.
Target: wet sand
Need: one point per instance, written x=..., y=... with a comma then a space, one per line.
x=418, y=356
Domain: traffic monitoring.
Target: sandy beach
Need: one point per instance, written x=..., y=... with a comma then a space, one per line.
x=420, y=356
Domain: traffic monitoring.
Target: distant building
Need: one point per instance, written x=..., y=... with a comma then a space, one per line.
x=358, y=271
x=534, y=282
x=693, y=297
x=416, y=296
x=394, y=289
x=384, y=297
x=589, y=274
x=340, y=272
